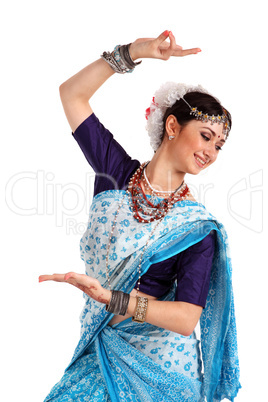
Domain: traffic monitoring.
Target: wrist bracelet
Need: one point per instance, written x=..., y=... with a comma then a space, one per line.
x=120, y=60
x=141, y=309
x=125, y=56
x=119, y=303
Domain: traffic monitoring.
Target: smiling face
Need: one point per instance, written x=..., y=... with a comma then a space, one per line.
x=195, y=146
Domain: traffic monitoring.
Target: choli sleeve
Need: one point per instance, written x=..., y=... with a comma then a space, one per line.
x=193, y=271
x=112, y=165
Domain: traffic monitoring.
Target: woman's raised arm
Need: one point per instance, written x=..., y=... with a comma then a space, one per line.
x=77, y=90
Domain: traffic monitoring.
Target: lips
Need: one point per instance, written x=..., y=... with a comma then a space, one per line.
x=200, y=161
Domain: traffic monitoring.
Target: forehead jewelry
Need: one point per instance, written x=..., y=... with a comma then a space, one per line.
x=205, y=117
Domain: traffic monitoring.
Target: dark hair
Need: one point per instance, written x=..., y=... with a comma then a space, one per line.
x=202, y=101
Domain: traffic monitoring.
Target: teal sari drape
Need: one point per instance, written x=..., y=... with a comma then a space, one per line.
x=134, y=362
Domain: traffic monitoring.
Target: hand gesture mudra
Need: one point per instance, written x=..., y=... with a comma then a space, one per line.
x=159, y=48
x=88, y=285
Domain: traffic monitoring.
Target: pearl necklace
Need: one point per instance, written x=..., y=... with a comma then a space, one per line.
x=153, y=189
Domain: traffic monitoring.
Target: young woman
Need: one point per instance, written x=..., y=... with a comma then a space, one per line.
x=156, y=261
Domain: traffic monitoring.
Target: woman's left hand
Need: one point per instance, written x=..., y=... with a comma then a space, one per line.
x=159, y=48
x=88, y=285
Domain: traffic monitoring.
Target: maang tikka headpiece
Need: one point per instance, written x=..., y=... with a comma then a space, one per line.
x=205, y=117
x=164, y=98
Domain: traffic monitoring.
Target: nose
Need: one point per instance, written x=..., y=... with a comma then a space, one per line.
x=210, y=152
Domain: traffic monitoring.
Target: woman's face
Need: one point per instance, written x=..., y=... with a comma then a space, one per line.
x=196, y=146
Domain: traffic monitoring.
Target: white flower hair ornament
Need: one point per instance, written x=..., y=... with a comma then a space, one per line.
x=165, y=97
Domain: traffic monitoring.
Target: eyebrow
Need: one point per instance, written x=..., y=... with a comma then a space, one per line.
x=214, y=134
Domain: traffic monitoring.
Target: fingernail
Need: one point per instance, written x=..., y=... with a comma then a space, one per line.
x=166, y=33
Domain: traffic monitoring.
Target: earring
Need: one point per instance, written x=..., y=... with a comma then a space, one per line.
x=171, y=137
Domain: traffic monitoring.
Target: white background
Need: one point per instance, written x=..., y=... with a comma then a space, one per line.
x=48, y=183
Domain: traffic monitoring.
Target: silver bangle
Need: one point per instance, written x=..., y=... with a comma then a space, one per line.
x=125, y=55
x=120, y=60
x=119, y=303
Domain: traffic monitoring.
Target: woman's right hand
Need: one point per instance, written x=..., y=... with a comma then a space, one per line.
x=159, y=48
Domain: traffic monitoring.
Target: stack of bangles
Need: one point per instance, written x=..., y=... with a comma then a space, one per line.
x=120, y=59
x=119, y=303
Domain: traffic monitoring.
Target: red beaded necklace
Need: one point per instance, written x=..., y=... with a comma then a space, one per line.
x=143, y=209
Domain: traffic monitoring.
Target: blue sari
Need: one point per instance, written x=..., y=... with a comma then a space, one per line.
x=141, y=362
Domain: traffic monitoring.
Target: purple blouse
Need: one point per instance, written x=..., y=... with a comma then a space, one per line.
x=113, y=167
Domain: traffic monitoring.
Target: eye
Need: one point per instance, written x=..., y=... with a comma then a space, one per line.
x=206, y=138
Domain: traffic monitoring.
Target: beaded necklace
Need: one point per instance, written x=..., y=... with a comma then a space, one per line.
x=142, y=207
